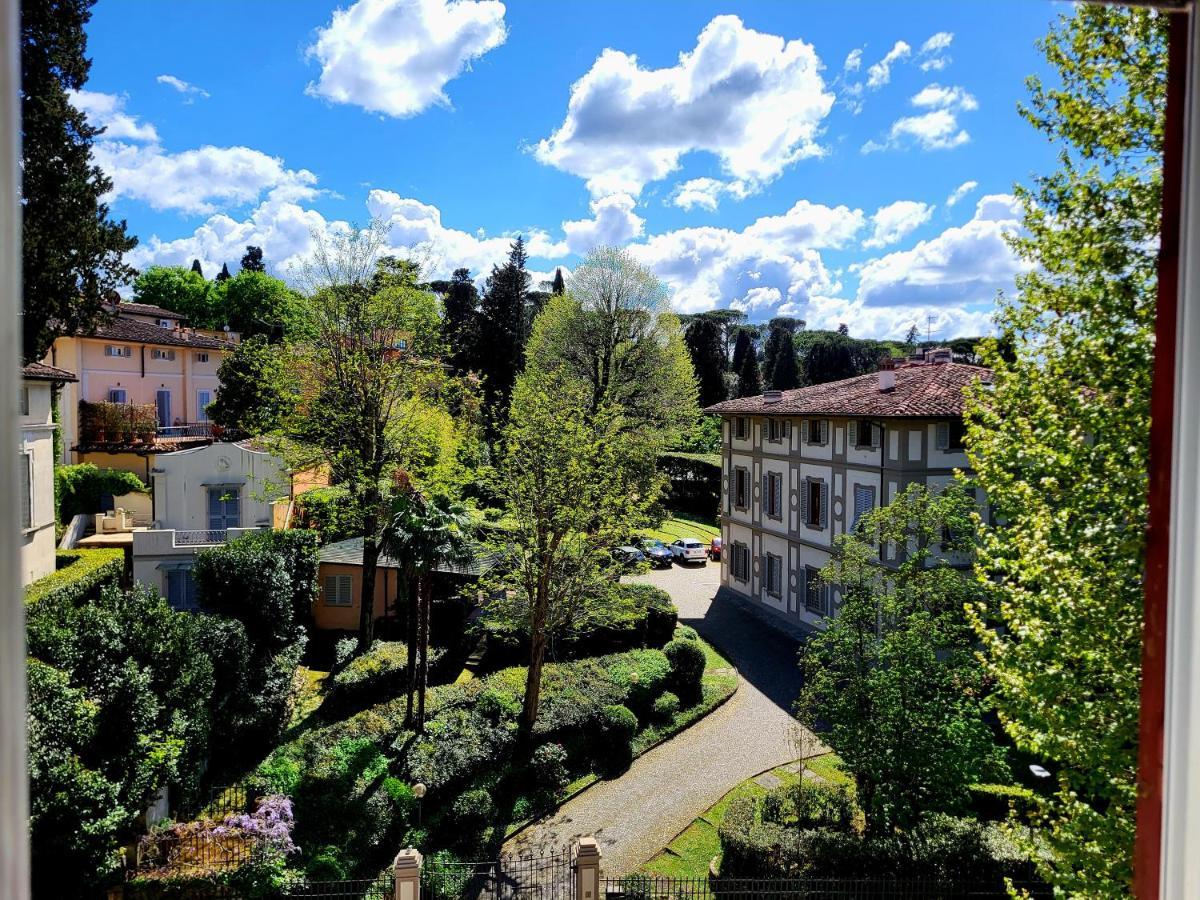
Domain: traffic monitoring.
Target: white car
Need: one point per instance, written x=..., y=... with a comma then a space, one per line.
x=689, y=550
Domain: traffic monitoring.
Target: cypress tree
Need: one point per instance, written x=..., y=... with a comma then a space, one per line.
x=786, y=374
x=223, y=275
x=504, y=322
x=749, y=378
x=742, y=347
x=197, y=268
x=252, y=260
x=71, y=250
x=558, y=286
x=706, y=346
x=460, y=325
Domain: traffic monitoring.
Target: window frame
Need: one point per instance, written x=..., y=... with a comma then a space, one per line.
x=770, y=508
x=122, y=391
x=739, y=432
x=856, y=516
x=741, y=498
x=774, y=585
x=336, y=599
x=26, y=489
x=817, y=440
x=118, y=351
x=162, y=355
x=813, y=587
x=202, y=356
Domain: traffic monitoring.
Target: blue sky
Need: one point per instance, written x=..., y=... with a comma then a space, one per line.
x=783, y=157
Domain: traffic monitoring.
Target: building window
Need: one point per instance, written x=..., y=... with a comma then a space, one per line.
x=181, y=591
x=741, y=488
x=776, y=430
x=162, y=354
x=741, y=428
x=401, y=343
x=26, y=467
x=816, y=595
x=339, y=590
x=816, y=431
x=739, y=562
x=773, y=501
x=224, y=507
x=950, y=435
x=203, y=398
x=23, y=400
x=865, y=435
x=864, y=502
x=814, y=503
x=162, y=405
x=201, y=357
x=117, y=395
x=115, y=350
x=774, y=575
x=165, y=323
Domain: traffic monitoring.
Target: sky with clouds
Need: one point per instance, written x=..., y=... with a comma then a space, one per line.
x=836, y=162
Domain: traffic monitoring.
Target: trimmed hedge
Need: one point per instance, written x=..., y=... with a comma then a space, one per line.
x=379, y=674
x=687, y=668
x=78, y=488
x=995, y=802
x=627, y=617
x=614, y=749
x=79, y=576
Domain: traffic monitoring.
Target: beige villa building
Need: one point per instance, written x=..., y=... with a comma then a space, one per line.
x=799, y=467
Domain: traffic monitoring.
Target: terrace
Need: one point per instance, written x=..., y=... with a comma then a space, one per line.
x=131, y=426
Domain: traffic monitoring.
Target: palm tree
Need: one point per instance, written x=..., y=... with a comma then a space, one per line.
x=422, y=535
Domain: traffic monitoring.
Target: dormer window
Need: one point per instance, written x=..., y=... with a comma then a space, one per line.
x=165, y=323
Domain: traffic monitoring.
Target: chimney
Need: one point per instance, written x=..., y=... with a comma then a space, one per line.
x=772, y=396
x=887, y=379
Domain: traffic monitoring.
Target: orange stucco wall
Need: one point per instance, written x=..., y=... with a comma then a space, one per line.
x=345, y=618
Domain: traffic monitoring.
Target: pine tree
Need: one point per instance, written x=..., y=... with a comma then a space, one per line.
x=749, y=377
x=252, y=260
x=223, y=275
x=558, y=286
x=460, y=321
x=910, y=339
x=706, y=347
x=504, y=323
x=843, y=329
x=71, y=251
x=197, y=268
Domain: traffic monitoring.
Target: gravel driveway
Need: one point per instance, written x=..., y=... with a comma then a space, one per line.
x=637, y=814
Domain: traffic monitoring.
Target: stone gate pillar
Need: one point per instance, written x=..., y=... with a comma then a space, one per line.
x=407, y=870
x=587, y=869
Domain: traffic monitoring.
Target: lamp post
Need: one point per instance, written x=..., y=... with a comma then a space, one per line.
x=419, y=792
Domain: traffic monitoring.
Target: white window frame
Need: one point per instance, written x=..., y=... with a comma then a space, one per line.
x=166, y=355
x=741, y=427
x=202, y=357
x=201, y=404
x=118, y=350
x=165, y=323
x=741, y=499
x=342, y=594
x=26, y=497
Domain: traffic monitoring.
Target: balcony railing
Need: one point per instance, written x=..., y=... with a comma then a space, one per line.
x=200, y=536
x=122, y=433
x=193, y=430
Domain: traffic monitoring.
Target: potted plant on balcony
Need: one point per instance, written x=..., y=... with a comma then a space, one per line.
x=147, y=423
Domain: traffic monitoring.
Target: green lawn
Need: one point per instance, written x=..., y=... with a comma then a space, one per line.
x=681, y=525
x=689, y=855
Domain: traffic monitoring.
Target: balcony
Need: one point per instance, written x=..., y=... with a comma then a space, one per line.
x=135, y=427
x=154, y=542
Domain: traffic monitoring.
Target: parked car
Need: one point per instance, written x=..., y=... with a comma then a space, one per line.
x=629, y=556
x=689, y=550
x=659, y=554
x=714, y=550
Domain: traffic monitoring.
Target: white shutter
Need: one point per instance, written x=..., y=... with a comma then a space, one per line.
x=824, y=431
x=853, y=432
x=943, y=435
x=824, y=504
x=804, y=431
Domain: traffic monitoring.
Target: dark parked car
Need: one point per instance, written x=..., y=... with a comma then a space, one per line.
x=629, y=556
x=659, y=554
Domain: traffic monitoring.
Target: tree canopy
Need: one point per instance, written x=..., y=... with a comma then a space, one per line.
x=706, y=347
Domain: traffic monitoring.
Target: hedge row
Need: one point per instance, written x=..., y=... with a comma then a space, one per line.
x=627, y=617
x=375, y=676
x=79, y=576
x=78, y=488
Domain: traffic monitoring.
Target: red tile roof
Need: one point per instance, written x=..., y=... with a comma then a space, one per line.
x=144, y=333
x=933, y=389
x=42, y=372
x=145, y=309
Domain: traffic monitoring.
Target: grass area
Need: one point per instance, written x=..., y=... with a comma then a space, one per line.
x=681, y=525
x=689, y=855
x=309, y=685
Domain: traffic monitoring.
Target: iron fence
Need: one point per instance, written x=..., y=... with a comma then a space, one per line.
x=508, y=878
x=647, y=887
x=192, y=850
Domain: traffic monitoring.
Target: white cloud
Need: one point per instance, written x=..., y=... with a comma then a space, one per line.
x=107, y=111
x=881, y=73
x=853, y=60
x=809, y=225
x=882, y=323
x=753, y=100
x=961, y=191
x=194, y=181
x=897, y=220
x=935, y=64
x=706, y=192
x=937, y=129
x=962, y=266
x=613, y=223
x=189, y=90
x=396, y=56
x=933, y=54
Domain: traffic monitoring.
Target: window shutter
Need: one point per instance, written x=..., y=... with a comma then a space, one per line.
x=331, y=590
x=824, y=504
x=943, y=435
x=802, y=575
x=787, y=428
x=853, y=430
x=876, y=436
x=778, y=495
x=804, y=430
x=764, y=492
x=804, y=489
x=824, y=431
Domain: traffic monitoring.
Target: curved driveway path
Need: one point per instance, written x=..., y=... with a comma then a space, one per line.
x=637, y=814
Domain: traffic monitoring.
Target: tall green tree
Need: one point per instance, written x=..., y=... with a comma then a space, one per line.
x=197, y=268
x=779, y=354
x=504, y=320
x=254, y=303
x=730, y=322
x=1059, y=440
x=252, y=260
x=460, y=321
x=180, y=290
x=259, y=390
x=558, y=285
x=749, y=378
x=72, y=253
x=614, y=331
x=706, y=347
x=743, y=346
x=893, y=681
x=223, y=275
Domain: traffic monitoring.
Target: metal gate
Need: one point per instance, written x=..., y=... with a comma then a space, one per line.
x=508, y=878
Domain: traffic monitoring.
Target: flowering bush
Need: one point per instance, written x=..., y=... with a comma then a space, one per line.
x=270, y=825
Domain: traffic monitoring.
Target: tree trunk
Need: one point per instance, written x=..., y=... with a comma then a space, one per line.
x=425, y=601
x=537, y=654
x=366, y=616
x=410, y=597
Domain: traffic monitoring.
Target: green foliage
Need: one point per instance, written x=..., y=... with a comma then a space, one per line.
x=372, y=677
x=826, y=356
x=71, y=250
x=997, y=802
x=706, y=347
x=779, y=357
x=1060, y=440
x=330, y=512
x=666, y=707
x=78, y=488
x=893, y=680
x=254, y=303
x=504, y=319
x=548, y=769
x=259, y=390
x=119, y=698
x=687, y=668
x=79, y=576
x=614, y=745
x=182, y=290
x=749, y=378
x=471, y=812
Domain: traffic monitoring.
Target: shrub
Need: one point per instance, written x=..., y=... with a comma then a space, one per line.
x=548, y=769
x=470, y=813
x=330, y=513
x=614, y=743
x=994, y=802
x=374, y=677
x=344, y=651
x=78, y=488
x=79, y=575
x=666, y=708
x=687, y=633
x=687, y=668
x=809, y=804
x=326, y=865
x=457, y=744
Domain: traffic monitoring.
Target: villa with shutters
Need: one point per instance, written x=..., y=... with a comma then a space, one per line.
x=800, y=467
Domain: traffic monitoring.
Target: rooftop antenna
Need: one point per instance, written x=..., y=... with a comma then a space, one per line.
x=929, y=329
